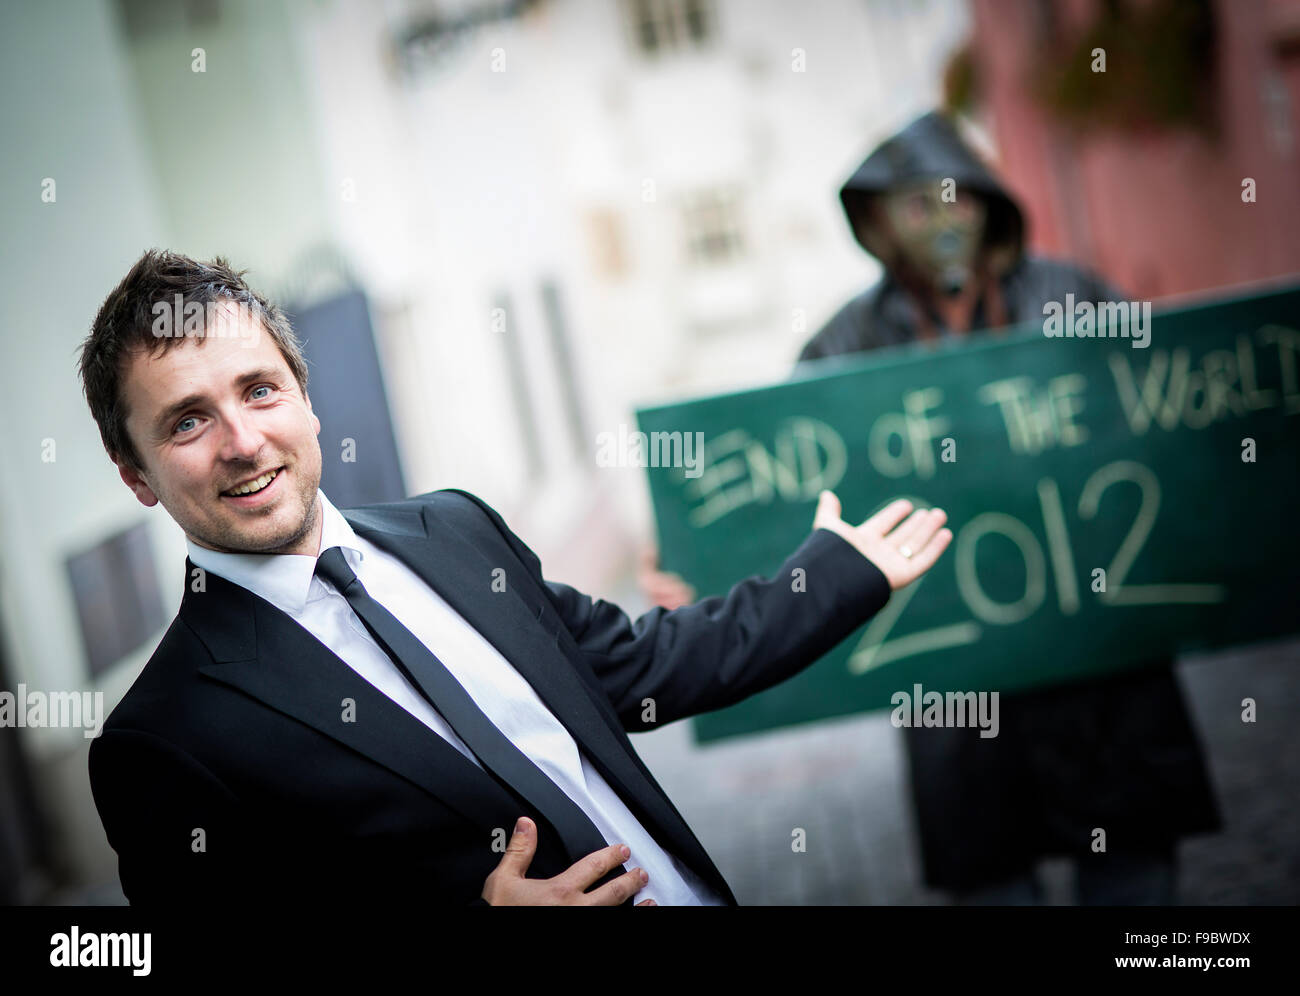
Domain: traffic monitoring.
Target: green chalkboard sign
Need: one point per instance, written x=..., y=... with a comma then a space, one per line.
x=1110, y=502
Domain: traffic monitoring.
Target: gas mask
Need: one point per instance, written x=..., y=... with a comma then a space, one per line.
x=939, y=239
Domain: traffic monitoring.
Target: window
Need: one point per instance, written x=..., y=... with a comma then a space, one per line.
x=663, y=25
x=711, y=219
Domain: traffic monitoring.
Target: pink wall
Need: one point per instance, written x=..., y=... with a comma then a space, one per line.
x=1159, y=212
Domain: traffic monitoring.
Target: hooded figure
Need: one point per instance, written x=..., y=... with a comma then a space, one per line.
x=939, y=250
x=1118, y=753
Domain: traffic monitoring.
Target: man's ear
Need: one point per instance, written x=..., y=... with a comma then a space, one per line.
x=134, y=480
x=314, y=420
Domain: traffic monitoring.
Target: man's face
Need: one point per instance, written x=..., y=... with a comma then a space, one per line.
x=938, y=236
x=214, y=415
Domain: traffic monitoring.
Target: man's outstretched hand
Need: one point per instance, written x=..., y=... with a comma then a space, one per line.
x=886, y=543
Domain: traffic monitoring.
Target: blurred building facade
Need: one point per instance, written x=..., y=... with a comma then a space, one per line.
x=1139, y=169
x=626, y=201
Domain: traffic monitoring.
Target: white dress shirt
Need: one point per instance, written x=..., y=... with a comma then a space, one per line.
x=288, y=582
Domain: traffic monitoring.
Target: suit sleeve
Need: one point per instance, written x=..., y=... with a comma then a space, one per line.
x=175, y=827
x=722, y=649
x=154, y=798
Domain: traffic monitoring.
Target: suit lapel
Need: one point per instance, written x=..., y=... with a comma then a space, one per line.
x=511, y=622
x=261, y=651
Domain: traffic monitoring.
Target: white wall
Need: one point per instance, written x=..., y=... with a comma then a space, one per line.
x=66, y=116
x=144, y=152
x=479, y=175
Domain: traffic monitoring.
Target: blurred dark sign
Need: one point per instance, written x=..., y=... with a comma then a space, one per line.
x=1110, y=504
x=359, y=461
x=119, y=604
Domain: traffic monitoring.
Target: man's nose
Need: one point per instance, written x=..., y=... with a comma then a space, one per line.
x=242, y=439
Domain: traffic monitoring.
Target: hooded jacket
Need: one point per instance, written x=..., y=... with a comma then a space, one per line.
x=930, y=148
x=1118, y=752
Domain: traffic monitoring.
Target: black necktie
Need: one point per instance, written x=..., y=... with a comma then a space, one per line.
x=445, y=693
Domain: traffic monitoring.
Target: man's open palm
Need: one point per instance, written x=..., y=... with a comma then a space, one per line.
x=902, y=552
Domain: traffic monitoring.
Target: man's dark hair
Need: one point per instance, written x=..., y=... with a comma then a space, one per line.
x=126, y=324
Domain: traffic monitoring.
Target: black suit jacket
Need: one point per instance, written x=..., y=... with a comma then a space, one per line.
x=229, y=771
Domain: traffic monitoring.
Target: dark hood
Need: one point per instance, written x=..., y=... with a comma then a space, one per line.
x=931, y=148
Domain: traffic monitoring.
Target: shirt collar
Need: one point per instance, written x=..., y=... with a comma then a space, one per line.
x=286, y=580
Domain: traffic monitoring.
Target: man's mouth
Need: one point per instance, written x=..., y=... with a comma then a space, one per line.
x=253, y=486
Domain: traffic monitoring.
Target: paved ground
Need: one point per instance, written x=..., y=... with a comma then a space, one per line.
x=843, y=783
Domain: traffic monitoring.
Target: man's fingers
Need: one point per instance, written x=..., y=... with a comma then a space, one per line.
x=668, y=590
x=521, y=848
x=594, y=866
x=911, y=531
x=935, y=544
x=887, y=518
x=926, y=528
x=828, y=510
x=919, y=527
x=647, y=902
x=620, y=890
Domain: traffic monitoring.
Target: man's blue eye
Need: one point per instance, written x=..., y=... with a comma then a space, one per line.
x=262, y=387
x=180, y=426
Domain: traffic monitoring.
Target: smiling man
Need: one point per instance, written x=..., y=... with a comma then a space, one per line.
x=250, y=488
x=349, y=706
